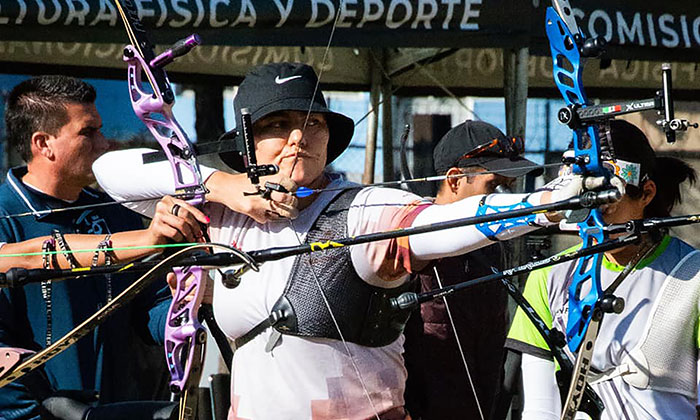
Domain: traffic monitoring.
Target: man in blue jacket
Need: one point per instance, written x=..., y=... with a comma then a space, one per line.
x=53, y=123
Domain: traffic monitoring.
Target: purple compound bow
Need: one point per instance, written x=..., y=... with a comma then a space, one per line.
x=185, y=336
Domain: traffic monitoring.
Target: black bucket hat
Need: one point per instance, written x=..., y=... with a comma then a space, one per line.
x=469, y=135
x=286, y=87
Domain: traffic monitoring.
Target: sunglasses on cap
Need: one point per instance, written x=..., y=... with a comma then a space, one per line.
x=511, y=148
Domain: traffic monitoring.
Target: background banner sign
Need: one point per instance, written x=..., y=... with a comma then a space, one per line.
x=634, y=29
x=361, y=23
x=82, y=36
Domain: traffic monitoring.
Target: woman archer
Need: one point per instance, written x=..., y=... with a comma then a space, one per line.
x=309, y=330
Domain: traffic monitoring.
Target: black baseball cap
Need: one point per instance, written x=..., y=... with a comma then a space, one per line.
x=469, y=135
x=277, y=87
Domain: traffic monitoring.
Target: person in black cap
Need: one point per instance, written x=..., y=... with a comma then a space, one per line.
x=437, y=386
x=645, y=360
x=480, y=145
x=313, y=335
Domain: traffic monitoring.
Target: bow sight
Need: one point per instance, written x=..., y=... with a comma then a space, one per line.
x=253, y=170
x=577, y=117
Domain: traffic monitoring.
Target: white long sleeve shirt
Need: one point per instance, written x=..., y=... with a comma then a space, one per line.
x=311, y=378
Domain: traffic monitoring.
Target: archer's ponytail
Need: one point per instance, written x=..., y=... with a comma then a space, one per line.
x=670, y=173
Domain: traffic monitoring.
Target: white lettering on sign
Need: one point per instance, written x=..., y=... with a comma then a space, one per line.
x=183, y=12
x=284, y=11
x=467, y=23
x=652, y=31
x=344, y=13
x=314, y=20
x=107, y=13
x=142, y=10
x=246, y=15
x=671, y=31
x=41, y=15
x=163, y=13
x=633, y=33
x=200, y=14
x=427, y=10
x=684, y=31
x=4, y=20
x=672, y=40
x=214, y=22
x=450, y=12
x=393, y=12
x=600, y=16
x=618, y=25
x=77, y=13
x=368, y=15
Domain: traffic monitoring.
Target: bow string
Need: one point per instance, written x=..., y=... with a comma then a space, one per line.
x=317, y=281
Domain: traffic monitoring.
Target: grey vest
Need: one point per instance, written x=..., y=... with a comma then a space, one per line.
x=362, y=311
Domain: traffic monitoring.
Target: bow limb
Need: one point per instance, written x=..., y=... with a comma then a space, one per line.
x=585, y=355
x=85, y=327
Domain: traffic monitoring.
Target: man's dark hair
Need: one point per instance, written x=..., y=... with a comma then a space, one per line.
x=39, y=104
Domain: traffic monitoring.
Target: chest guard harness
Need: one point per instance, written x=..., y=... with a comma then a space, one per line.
x=363, y=312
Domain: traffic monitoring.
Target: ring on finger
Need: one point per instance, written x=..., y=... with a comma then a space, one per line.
x=175, y=209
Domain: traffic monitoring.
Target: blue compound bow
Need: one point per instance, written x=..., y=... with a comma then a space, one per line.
x=587, y=299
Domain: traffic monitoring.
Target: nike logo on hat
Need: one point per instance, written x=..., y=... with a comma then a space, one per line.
x=282, y=80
